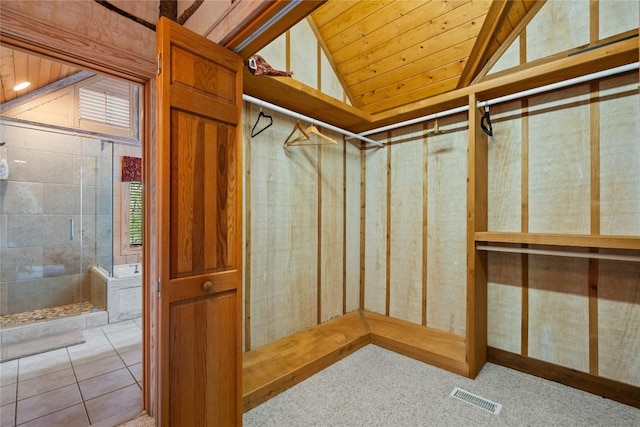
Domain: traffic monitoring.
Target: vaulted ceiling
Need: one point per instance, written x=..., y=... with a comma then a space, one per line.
x=393, y=53
x=17, y=66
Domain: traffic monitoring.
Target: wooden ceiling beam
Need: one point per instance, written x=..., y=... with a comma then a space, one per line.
x=497, y=15
x=515, y=32
x=269, y=9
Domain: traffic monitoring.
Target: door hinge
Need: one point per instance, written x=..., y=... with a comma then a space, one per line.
x=159, y=63
x=158, y=288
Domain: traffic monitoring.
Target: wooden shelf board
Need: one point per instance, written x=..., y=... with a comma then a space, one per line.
x=575, y=240
x=428, y=345
x=289, y=93
x=275, y=367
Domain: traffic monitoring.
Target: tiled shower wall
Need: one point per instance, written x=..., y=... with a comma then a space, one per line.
x=54, y=178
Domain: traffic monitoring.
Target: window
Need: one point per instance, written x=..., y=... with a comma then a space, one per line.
x=135, y=213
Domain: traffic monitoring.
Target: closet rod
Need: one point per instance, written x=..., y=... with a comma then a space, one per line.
x=511, y=97
x=324, y=125
x=611, y=257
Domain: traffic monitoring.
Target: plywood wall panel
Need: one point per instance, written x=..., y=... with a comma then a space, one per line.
x=505, y=168
x=304, y=54
x=504, y=305
x=559, y=310
x=406, y=270
x=510, y=58
x=617, y=17
x=284, y=234
x=620, y=156
x=559, y=162
x=352, y=224
x=332, y=210
x=275, y=53
x=619, y=320
x=375, y=255
x=329, y=83
x=557, y=27
x=446, y=241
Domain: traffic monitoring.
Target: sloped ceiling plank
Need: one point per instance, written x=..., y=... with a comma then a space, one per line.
x=439, y=34
x=331, y=10
x=422, y=74
x=361, y=31
x=347, y=20
x=417, y=74
x=376, y=72
x=414, y=96
x=496, y=17
x=404, y=33
x=6, y=74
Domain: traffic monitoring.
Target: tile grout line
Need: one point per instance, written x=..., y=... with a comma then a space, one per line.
x=84, y=405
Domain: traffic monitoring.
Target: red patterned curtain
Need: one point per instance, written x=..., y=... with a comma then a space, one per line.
x=131, y=169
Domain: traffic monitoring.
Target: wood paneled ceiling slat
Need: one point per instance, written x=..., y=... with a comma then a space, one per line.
x=390, y=53
x=17, y=66
x=401, y=64
x=405, y=31
x=394, y=93
x=413, y=96
x=347, y=20
x=418, y=70
x=390, y=16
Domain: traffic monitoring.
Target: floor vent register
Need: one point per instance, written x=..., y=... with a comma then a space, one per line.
x=476, y=400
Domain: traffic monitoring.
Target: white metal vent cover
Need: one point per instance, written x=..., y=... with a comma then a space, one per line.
x=476, y=400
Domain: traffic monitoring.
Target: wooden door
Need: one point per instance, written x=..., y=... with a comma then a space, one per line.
x=199, y=90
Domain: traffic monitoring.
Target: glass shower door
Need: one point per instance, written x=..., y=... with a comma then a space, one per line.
x=48, y=231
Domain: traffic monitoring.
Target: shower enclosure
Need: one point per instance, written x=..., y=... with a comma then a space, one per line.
x=56, y=209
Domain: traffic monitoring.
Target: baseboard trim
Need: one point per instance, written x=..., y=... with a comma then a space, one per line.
x=611, y=389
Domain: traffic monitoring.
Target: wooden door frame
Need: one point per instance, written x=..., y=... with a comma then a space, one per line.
x=14, y=35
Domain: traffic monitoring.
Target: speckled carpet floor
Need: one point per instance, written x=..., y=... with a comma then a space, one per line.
x=376, y=387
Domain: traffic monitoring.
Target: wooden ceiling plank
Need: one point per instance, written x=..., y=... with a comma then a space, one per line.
x=2, y=89
x=412, y=97
x=349, y=19
x=411, y=85
x=378, y=20
x=417, y=70
x=414, y=45
x=33, y=72
x=20, y=66
x=6, y=74
x=331, y=10
x=45, y=71
x=454, y=37
x=54, y=72
x=401, y=34
x=515, y=32
x=517, y=12
x=496, y=18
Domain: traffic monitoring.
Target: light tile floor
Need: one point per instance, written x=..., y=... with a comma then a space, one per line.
x=79, y=385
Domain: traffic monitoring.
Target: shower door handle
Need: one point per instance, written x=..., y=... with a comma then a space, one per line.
x=72, y=229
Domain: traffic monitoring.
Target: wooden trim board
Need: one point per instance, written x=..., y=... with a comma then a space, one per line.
x=604, y=387
x=275, y=367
